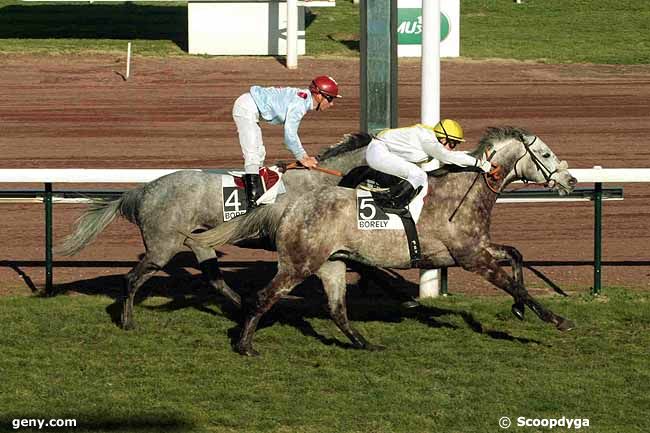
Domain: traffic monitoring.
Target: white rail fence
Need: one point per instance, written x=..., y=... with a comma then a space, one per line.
x=595, y=192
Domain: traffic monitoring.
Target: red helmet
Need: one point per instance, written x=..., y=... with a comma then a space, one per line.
x=325, y=85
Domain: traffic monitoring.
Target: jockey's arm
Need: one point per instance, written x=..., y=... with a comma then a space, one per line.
x=291, y=139
x=436, y=150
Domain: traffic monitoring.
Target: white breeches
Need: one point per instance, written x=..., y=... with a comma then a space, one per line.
x=380, y=158
x=247, y=118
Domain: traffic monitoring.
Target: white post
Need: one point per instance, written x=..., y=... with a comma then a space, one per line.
x=430, y=106
x=128, y=61
x=292, y=34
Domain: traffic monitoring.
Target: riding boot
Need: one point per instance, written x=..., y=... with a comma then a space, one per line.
x=398, y=196
x=254, y=189
x=403, y=192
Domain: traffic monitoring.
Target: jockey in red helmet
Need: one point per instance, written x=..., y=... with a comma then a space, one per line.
x=325, y=87
x=279, y=106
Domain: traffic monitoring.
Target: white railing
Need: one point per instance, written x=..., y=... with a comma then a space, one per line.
x=92, y=175
x=596, y=176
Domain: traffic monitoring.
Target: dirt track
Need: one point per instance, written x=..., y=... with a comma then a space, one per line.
x=77, y=112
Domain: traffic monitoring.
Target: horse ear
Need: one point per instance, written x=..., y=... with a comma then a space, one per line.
x=522, y=139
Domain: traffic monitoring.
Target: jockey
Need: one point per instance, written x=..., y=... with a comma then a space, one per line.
x=399, y=151
x=279, y=106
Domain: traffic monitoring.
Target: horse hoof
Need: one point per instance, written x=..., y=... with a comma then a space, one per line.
x=232, y=297
x=565, y=325
x=518, y=310
x=128, y=326
x=410, y=304
x=236, y=301
x=247, y=350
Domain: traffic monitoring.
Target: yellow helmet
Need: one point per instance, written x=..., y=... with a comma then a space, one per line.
x=450, y=129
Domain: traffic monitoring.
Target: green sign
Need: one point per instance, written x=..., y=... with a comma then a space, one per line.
x=409, y=26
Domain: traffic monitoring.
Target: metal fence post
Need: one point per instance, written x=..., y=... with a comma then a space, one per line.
x=47, y=200
x=444, y=276
x=598, y=221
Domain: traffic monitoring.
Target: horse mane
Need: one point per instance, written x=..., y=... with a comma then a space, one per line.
x=348, y=143
x=492, y=134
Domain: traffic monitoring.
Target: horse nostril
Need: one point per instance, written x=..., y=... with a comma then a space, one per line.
x=573, y=181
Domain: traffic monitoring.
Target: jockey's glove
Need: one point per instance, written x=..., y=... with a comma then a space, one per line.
x=486, y=166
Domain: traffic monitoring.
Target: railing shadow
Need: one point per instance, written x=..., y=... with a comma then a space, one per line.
x=128, y=21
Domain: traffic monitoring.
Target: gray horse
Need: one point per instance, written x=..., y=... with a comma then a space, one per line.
x=186, y=201
x=315, y=235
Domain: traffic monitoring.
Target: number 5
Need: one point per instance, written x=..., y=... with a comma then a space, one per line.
x=369, y=204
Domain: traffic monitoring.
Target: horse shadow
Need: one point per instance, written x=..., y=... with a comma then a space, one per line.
x=378, y=295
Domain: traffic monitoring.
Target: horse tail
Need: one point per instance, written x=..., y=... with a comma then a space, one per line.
x=261, y=222
x=99, y=214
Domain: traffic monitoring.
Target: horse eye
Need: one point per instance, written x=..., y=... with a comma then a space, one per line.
x=546, y=155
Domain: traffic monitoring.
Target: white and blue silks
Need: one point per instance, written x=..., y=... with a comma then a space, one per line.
x=276, y=105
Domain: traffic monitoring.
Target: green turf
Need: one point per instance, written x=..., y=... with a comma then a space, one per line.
x=597, y=31
x=458, y=365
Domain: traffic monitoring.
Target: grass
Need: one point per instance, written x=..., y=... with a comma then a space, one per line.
x=554, y=31
x=458, y=365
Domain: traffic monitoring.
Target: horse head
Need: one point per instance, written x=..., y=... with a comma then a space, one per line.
x=527, y=157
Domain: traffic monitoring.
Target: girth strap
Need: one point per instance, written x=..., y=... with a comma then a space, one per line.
x=412, y=238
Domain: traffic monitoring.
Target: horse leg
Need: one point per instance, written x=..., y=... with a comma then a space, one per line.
x=506, y=252
x=332, y=274
x=207, y=258
x=482, y=263
x=281, y=285
x=134, y=279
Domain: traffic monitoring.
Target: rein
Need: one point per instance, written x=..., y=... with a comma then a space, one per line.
x=496, y=174
x=297, y=166
x=460, y=203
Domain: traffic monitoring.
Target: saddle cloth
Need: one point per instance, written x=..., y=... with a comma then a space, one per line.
x=271, y=180
x=234, y=195
x=370, y=216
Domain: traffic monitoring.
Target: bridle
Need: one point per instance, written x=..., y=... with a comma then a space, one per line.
x=548, y=174
x=496, y=174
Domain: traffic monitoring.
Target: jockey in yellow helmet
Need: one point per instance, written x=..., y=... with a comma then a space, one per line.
x=400, y=151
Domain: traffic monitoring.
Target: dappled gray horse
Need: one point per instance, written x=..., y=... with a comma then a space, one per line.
x=316, y=234
x=189, y=200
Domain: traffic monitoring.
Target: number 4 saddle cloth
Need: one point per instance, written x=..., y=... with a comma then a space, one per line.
x=234, y=194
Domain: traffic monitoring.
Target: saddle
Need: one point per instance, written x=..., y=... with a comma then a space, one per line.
x=234, y=191
x=381, y=185
x=268, y=175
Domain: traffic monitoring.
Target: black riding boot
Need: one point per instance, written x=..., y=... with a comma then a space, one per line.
x=398, y=196
x=254, y=189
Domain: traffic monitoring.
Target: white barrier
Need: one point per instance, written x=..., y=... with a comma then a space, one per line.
x=596, y=176
x=91, y=175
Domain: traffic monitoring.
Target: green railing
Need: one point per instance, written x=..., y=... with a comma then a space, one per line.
x=49, y=197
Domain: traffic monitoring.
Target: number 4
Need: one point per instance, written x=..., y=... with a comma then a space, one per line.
x=233, y=200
